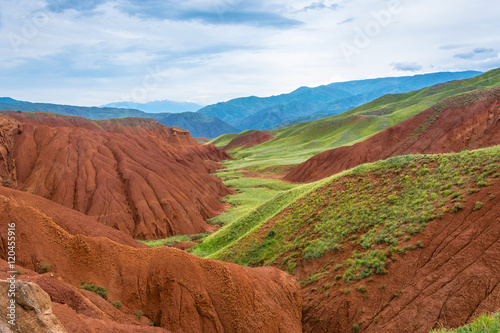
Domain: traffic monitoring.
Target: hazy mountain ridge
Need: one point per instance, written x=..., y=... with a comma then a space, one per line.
x=157, y=106
x=262, y=113
x=197, y=124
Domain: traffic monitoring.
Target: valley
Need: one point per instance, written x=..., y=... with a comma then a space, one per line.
x=384, y=218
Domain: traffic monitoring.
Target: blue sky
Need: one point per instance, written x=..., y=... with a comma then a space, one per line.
x=98, y=51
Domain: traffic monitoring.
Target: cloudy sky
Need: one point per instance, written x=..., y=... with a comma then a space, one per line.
x=95, y=52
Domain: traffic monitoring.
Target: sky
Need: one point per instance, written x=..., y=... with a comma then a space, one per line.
x=96, y=52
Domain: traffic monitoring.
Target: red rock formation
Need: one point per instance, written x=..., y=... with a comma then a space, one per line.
x=468, y=121
x=180, y=292
x=72, y=222
x=248, y=139
x=135, y=175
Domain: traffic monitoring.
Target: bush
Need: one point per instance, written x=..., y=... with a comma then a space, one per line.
x=138, y=314
x=478, y=205
x=361, y=288
x=99, y=290
x=117, y=304
x=45, y=268
x=457, y=207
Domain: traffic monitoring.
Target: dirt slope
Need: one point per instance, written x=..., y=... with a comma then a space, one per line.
x=469, y=121
x=248, y=139
x=135, y=175
x=178, y=291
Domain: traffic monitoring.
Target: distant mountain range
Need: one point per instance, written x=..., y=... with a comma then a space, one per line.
x=306, y=104
x=236, y=115
x=197, y=124
x=157, y=106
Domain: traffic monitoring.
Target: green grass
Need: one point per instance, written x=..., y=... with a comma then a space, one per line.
x=296, y=143
x=251, y=193
x=485, y=323
x=254, y=211
x=222, y=140
x=171, y=241
x=372, y=210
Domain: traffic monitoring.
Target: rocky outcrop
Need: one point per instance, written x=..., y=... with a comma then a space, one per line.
x=31, y=310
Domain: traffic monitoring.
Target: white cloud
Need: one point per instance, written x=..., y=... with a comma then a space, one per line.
x=212, y=51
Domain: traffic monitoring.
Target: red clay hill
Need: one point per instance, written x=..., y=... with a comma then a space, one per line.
x=469, y=121
x=56, y=249
x=248, y=139
x=135, y=175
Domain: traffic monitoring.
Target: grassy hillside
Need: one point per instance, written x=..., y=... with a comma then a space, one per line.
x=375, y=208
x=222, y=140
x=483, y=324
x=296, y=143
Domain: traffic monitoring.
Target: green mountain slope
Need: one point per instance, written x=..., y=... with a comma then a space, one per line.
x=296, y=143
x=394, y=198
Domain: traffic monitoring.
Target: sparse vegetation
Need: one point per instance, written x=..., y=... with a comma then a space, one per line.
x=117, y=304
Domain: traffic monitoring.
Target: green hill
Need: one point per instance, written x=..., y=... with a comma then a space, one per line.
x=296, y=143
x=394, y=198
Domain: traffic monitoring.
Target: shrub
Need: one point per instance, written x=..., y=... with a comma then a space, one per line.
x=45, y=268
x=138, y=314
x=457, y=207
x=478, y=205
x=99, y=290
x=361, y=288
x=355, y=327
x=117, y=304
